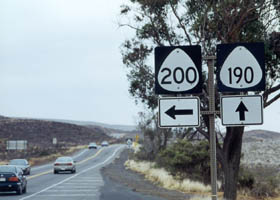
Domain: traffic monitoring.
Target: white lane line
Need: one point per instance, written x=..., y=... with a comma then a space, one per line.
x=73, y=190
x=67, y=195
x=76, y=188
x=40, y=167
x=48, y=165
x=84, y=182
x=78, y=155
x=69, y=178
x=90, y=178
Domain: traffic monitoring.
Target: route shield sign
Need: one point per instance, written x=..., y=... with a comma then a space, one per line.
x=179, y=112
x=242, y=110
x=178, y=70
x=241, y=67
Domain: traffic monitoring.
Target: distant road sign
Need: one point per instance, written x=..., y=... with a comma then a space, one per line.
x=178, y=70
x=241, y=67
x=242, y=110
x=178, y=112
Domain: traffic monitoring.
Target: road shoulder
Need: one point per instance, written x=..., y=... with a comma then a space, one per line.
x=120, y=182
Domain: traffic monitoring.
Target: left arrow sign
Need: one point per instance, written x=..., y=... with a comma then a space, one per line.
x=172, y=112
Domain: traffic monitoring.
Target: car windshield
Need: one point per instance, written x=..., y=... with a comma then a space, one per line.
x=7, y=169
x=64, y=159
x=18, y=162
x=92, y=144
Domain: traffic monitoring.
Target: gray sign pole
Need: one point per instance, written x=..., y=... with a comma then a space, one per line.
x=212, y=112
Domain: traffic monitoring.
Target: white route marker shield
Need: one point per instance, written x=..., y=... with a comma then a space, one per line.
x=240, y=67
x=178, y=70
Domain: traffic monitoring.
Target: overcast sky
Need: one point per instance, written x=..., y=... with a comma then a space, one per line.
x=61, y=59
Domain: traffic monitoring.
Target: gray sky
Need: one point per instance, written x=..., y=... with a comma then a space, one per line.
x=61, y=59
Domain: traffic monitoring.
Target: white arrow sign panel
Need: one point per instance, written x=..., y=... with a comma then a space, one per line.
x=179, y=112
x=242, y=110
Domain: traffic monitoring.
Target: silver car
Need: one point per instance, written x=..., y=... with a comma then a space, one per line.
x=105, y=144
x=64, y=164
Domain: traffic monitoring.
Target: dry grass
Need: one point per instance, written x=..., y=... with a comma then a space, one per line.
x=3, y=162
x=136, y=147
x=49, y=158
x=163, y=178
x=44, y=159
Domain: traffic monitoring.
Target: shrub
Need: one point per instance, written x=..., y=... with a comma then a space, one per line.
x=246, y=179
x=266, y=188
x=186, y=159
x=262, y=181
x=143, y=154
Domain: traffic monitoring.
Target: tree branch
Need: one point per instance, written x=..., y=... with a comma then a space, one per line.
x=272, y=100
x=271, y=90
x=180, y=23
x=130, y=26
x=204, y=133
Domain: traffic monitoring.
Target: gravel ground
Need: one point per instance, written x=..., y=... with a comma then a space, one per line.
x=116, y=174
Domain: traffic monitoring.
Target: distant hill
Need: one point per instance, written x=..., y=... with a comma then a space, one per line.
x=116, y=127
x=261, y=148
x=260, y=135
x=41, y=132
x=109, y=126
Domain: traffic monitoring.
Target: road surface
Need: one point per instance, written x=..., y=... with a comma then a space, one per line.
x=85, y=184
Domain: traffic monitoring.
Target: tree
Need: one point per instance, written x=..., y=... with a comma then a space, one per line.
x=207, y=23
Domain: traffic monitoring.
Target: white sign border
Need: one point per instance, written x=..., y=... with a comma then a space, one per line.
x=243, y=124
x=180, y=126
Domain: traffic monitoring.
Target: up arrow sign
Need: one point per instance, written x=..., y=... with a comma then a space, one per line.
x=241, y=109
x=172, y=112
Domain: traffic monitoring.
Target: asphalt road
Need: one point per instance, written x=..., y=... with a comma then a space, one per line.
x=84, y=185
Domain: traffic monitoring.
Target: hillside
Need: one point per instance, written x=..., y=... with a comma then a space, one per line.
x=41, y=132
x=113, y=127
x=261, y=147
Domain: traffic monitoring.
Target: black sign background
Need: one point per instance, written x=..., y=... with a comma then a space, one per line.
x=194, y=52
x=223, y=50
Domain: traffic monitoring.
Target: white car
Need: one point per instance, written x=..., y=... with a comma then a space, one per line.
x=105, y=144
x=92, y=145
x=64, y=164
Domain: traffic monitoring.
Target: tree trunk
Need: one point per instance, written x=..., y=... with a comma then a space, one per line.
x=231, y=160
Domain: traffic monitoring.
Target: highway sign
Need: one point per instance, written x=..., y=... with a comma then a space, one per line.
x=240, y=67
x=179, y=112
x=178, y=70
x=242, y=110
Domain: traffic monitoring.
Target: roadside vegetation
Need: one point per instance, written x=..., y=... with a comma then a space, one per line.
x=157, y=23
x=37, y=155
x=184, y=166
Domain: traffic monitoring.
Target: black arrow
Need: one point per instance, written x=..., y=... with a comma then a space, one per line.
x=171, y=112
x=241, y=109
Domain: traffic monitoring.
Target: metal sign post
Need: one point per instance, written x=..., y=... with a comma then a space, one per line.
x=211, y=113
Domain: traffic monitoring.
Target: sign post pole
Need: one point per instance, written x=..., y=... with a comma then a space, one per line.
x=212, y=111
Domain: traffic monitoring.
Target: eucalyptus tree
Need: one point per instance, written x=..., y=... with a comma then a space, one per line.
x=206, y=23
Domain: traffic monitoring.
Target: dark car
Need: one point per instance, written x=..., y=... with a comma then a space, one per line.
x=12, y=179
x=23, y=164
